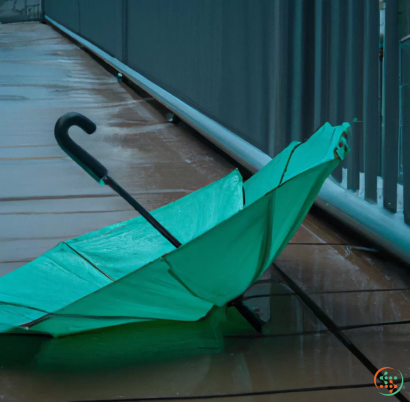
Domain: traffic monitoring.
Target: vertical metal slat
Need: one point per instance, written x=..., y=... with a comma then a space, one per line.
x=405, y=121
x=79, y=15
x=321, y=105
x=370, y=98
x=391, y=108
x=360, y=86
x=297, y=63
x=309, y=69
x=337, y=55
x=351, y=99
x=280, y=80
x=124, y=34
x=381, y=75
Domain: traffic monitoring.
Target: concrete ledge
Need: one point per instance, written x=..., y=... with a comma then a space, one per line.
x=385, y=229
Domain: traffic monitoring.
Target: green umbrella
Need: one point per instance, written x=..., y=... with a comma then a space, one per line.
x=177, y=262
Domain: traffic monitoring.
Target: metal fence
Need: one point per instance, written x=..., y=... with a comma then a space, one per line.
x=363, y=90
x=272, y=71
x=20, y=10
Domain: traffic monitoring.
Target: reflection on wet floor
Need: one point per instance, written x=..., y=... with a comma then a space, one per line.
x=114, y=348
x=47, y=199
x=175, y=359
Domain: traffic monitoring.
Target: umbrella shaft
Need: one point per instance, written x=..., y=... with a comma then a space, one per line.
x=139, y=208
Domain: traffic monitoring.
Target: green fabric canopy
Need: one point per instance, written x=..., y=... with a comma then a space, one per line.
x=230, y=231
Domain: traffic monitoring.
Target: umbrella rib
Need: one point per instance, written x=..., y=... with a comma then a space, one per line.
x=87, y=316
x=287, y=163
x=49, y=315
x=108, y=276
x=179, y=280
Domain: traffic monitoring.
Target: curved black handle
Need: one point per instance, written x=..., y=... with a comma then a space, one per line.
x=94, y=168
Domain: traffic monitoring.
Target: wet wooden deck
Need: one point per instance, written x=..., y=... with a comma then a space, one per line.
x=46, y=198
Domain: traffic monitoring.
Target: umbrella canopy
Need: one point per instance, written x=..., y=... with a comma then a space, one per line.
x=230, y=232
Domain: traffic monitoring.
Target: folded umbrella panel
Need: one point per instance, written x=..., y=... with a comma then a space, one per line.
x=200, y=211
x=224, y=262
x=297, y=158
x=292, y=202
x=124, y=249
x=324, y=145
x=81, y=266
x=12, y=316
x=129, y=272
x=52, y=281
x=151, y=292
x=269, y=177
x=127, y=246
